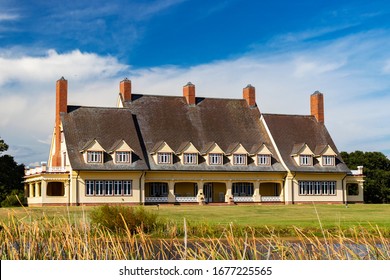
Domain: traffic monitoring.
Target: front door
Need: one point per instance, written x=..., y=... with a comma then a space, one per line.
x=208, y=192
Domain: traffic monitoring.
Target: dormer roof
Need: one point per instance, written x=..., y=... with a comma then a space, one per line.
x=301, y=149
x=121, y=146
x=212, y=147
x=260, y=149
x=324, y=150
x=187, y=147
x=92, y=145
x=236, y=148
x=161, y=146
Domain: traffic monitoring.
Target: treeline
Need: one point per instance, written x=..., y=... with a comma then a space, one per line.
x=376, y=168
x=11, y=179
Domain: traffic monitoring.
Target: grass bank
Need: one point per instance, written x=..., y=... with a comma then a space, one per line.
x=210, y=232
x=211, y=221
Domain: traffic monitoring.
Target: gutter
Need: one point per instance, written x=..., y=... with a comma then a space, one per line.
x=292, y=187
x=140, y=186
x=344, y=193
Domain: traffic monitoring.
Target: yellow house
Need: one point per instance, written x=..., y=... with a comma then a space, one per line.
x=154, y=149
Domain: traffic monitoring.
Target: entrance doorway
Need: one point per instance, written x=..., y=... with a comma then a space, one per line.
x=208, y=192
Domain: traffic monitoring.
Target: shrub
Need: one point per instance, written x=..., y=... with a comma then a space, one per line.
x=121, y=218
x=15, y=198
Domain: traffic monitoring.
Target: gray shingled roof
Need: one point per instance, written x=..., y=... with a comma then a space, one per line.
x=290, y=132
x=223, y=121
x=108, y=126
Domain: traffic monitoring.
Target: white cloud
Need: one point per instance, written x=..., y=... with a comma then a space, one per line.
x=8, y=17
x=347, y=71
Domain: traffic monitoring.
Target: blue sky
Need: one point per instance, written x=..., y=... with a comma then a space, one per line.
x=286, y=49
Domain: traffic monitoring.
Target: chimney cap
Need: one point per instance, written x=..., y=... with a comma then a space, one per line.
x=189, y=84
x=62, y=79
x=126, y=80
x=316, y=92
x=249, y=86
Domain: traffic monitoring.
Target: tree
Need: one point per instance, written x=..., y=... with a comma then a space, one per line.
x=3, y=146
x=11, y=173
x=377, y=171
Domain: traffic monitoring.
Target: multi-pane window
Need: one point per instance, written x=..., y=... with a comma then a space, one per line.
x=126, y=187
x=263, y=159
x=122, y=157
x=108, y=188
x=90, y=188
x=94, y=156
x=117, y=187
x=164, y=158
x=99, y=188
x=328, y=160
x=190, y=158
x=242, y=189
x=239, y=159
x=305, y=160
x=317, y=187
x=158, y=189
x=215, y=159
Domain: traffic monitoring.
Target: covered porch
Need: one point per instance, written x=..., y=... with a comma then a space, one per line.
x=46, y=187
x=206, y=192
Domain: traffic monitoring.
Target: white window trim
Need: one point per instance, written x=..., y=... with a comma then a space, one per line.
x=307, y=162
x=239, y=159
x=94, y=156
x=218, y=157
x=123, y=157
x=328, y=160
x=267, y=160
x=190, y=158
x=164, y=158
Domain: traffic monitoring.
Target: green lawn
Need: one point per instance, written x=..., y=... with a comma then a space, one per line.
x=305, y=216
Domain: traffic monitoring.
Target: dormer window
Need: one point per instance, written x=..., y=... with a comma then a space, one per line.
x=215, y=159
x=123, y=157
x=239, y=159
x=263, y=160
x=305, y=160
x=328, y=160
x=94, y=156
x=164, y=158
x=190, y=158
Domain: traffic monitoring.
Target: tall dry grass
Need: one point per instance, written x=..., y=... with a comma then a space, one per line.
x=61, y=238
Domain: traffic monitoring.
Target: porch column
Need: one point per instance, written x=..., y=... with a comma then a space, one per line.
x=31, y=189
x=26, y=190
x=256, y=191
x=171, y=192
x=37, y=192
x=43, y=190
x=66, y=188
x=288, y=189
x=200, y=190
x=228, y=193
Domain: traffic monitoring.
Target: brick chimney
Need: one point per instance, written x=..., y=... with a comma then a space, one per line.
x=317, y=106
x=125, y=89
x=189, y=93
x=249, y=94
x=61, y=107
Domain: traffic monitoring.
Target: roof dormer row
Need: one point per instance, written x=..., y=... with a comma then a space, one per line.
x=121, y=152
x=304, y=156
x=212, y=154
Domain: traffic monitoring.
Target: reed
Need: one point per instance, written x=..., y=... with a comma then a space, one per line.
x=64, y=238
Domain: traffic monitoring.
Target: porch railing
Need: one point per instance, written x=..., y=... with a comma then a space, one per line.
x=186, y=199
x=152, y=199
x=243, y=198
x=270, y=199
